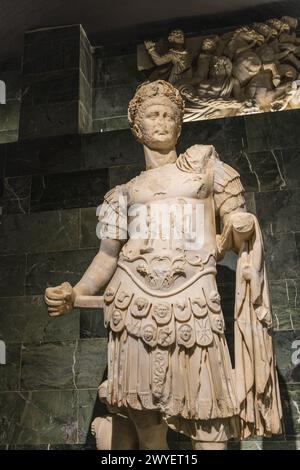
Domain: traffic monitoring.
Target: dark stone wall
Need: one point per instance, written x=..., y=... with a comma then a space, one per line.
x=51, y=181
x=57, y=82
x=10, y=73
x=48, y=389
x=115, y=79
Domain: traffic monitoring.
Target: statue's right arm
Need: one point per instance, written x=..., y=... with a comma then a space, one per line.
x=157, y=58
x=60, y=299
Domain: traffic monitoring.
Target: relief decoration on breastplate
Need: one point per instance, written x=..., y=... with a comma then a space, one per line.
x=161, y=271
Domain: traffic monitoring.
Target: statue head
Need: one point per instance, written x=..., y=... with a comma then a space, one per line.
x=155, y=115
x=210, y=44
x=176, y=37
x=279, y=25
x=292, y=22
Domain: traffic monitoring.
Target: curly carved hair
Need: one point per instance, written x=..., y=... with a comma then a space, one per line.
x=176, y=33
x=150, y=91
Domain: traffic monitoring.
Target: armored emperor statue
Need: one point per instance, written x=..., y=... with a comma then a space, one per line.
x=168, y=360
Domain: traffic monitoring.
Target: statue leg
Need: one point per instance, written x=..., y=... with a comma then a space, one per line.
x=151, y=430
x=114, y=432
x=200, y=445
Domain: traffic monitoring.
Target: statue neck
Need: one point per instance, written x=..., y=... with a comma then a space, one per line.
x=156, y=158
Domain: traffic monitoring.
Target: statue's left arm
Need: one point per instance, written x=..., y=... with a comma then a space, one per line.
x=255, y=369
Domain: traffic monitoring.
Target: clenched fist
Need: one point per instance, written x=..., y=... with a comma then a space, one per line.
x=149, y=45
x=60, y=299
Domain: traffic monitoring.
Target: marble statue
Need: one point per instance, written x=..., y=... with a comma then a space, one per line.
x=177, y=60
x=258, y=69
x=168, y=360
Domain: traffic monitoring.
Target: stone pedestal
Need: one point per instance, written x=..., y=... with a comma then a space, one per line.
x=57, y=83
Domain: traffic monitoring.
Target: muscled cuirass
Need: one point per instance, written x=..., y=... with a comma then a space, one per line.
x=164, y=288
x=172, y=225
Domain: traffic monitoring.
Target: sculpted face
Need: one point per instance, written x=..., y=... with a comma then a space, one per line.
x=176, y=37
x=277, y=24
x=208, y=44
x=159, y=125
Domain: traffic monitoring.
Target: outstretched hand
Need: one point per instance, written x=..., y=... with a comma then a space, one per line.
x=149, y=45
x=60, y=299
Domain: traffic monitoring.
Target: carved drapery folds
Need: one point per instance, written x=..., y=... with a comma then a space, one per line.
x=252, y=69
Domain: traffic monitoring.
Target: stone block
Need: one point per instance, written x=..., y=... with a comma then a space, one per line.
x=26, y=320
x=91, y=362
x=64, y=365
x=50, y=269
x=123, y=174
x=51, y=88
x=258, y=131
x=88, y=225
x=102, y=150
x=12, y=275
x=37, y=418
x=55, y=119
x=10, y=372
x=92, y=324
x=51, y=49
x=48, y=366
x=284, y=129
x=287, y=350
x=278, y=211
x=86, y=58
x=88, y=408
x=68, y=190
x=9, y=116
x=227, y=135
x=282, y=259
x=7, y=137
x=40, y=232
x=290, y=157
x=290, y=396
x=110, y=124
x=117, y=70
x=112, y=101
x=16, y=197
x=85, y=94
x=44, y=156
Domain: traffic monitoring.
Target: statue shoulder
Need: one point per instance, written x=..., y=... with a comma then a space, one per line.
x=226, y=179
x=197, y=158
x=113, y=195
x=203, y=158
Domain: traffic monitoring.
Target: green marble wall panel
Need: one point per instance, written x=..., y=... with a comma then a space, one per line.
x=35, y=418
x=25, y=319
